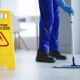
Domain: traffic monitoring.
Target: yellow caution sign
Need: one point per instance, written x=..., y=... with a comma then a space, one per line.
x=7, y=54
x=3, y=40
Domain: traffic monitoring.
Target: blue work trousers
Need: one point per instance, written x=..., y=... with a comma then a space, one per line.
x=48, y=25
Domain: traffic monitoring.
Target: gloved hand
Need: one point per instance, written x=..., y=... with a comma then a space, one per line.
x=69, y=10
x=66, y=8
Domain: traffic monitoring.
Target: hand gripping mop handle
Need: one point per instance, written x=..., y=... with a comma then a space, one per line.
x=73, y=48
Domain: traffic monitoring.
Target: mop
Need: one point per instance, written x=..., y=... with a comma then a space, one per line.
x=73, y=65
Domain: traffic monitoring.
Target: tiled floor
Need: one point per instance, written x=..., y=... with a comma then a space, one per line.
x=28, y=69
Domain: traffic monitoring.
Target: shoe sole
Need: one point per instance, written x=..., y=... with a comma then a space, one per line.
x=61, y=58
x=58, y=58
x=39, y=60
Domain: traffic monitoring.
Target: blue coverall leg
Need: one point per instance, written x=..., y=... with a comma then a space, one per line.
x=55, y=29
x=49, y=19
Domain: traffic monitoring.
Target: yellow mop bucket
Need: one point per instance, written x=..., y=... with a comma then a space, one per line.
x=7, y=54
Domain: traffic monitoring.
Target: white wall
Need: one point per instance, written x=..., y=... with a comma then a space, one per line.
x=65, y=31
x=10, y=5
x=76, y=25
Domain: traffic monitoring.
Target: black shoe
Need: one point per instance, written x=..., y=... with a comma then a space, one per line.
x=57, y=55
x=44, y=57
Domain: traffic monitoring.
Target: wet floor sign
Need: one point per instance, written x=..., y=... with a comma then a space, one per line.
x=7, y=54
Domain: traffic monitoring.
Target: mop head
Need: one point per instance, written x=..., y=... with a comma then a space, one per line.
x=66, y=66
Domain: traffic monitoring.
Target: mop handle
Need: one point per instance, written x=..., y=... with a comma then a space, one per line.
x=73, y=49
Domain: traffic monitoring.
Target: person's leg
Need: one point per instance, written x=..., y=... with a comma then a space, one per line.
x=55, y=29
x=46, y=21
x=54, y=50
x=45, y=26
